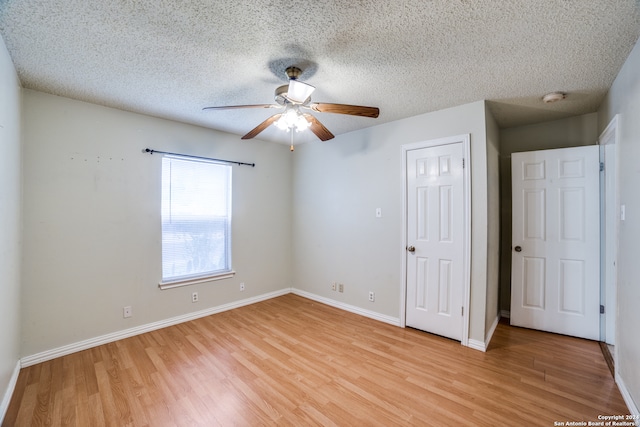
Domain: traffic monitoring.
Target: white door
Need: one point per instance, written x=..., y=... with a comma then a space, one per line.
x=555, y=273
x=435, y=239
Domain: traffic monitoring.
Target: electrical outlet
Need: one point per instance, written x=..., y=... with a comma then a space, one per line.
x=194, y=297
x=340, y=287
x=127, y=312
x=333, y=286
x=241, y=286
x=372, y=296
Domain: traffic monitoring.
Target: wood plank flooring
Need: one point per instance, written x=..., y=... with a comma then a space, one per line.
x=292, y=361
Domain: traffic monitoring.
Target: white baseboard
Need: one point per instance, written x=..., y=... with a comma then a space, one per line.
x=477, y=345
x=6, y=399
x=505, y=313
x=482, y=346
x=633, y=408
x=115, y=336
x=347, y=307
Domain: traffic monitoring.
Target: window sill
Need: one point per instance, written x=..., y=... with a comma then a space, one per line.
x=192, y=281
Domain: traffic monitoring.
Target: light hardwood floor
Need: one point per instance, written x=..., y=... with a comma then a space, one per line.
x=292, y=361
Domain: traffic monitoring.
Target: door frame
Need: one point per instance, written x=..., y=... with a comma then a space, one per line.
x=609, y=229
x=466, y=179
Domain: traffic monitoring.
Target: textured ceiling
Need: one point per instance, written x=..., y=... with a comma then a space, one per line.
x=170, y=58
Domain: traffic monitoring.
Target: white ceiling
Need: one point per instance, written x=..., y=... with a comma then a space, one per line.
x=170, y=58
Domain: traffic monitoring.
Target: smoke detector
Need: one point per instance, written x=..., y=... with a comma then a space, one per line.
x=553, y=97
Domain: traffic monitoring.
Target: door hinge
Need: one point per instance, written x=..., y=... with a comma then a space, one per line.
x=462, y=163
x=461, y=311
x=601, y=309
x=601, y=166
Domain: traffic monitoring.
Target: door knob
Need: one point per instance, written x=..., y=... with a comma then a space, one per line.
x=518, y=249
x=411, y=249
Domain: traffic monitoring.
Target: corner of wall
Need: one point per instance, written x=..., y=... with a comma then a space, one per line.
x=10, y=225
x=493, y=221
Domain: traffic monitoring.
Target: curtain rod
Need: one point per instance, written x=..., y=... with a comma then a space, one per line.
x=150, y=151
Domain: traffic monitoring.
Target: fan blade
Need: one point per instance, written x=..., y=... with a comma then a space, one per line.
x=318, y=128
x=353, y=110
x=233, y=107
x=262, y=126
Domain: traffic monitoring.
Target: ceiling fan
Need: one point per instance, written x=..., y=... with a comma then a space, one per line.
x=294, y=97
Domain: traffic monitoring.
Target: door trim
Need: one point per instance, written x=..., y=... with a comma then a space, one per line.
x=466, y=178
x=610, y=228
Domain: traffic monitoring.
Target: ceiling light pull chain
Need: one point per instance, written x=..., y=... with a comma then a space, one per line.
x=291, y=132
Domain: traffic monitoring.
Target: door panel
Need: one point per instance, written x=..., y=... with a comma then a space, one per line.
x=556, y=240
x=572, y=287
x=444, y=289
x=571, y=214
x=435, y=226
x=534, y=283
x=535, y=214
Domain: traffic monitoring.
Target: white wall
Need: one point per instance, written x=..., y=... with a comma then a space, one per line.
x=10, y=225
x=339, y=184
x=92, y=220
x=570, y=132
x=624, y=99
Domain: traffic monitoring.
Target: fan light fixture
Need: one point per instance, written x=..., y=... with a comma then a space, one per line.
x=299, y=91
x=292, y=119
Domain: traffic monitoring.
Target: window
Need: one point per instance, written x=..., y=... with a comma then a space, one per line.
x=196, y=221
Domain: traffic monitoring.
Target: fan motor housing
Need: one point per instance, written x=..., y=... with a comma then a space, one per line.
x=281, y=93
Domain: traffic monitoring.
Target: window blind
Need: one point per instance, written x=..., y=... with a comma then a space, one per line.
x=196, y=219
